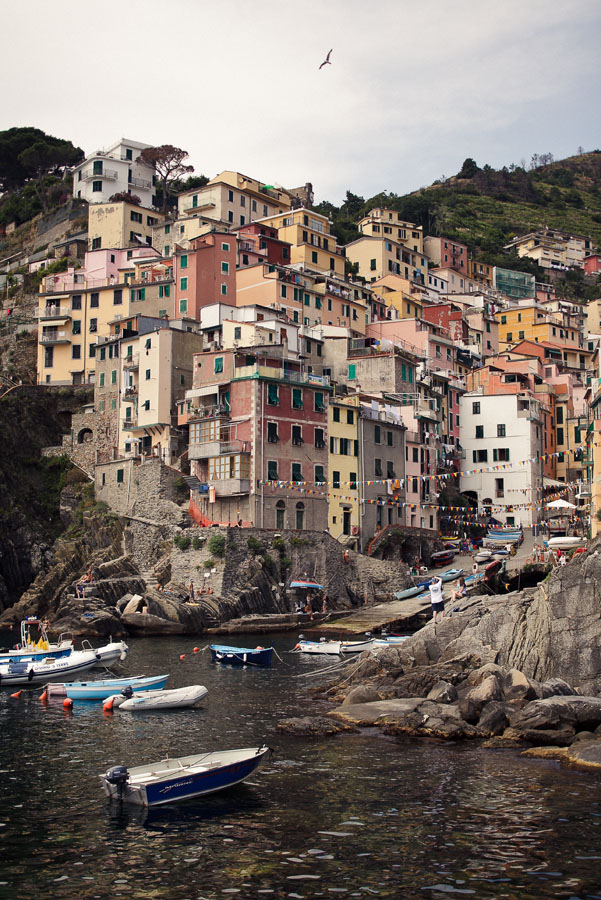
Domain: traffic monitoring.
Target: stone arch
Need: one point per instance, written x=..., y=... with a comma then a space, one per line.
x=85, y=436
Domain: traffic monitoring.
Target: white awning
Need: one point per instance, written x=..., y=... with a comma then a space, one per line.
x=550, y=482
x=205, y=391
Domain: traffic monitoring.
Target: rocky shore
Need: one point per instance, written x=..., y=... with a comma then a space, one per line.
x=519, y=670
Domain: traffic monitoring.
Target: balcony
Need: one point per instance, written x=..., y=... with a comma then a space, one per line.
x=270, y=372
x=55, y=337
x=229, y=487
x=210, y=449
x=91, y=175
x=131, y=362
x=131, y=391
x=55, y=312
x=139, y=182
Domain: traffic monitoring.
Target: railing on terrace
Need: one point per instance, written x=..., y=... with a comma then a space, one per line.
x=280, y=374
x=140, y=182
x=91, y=175
x=54, y=312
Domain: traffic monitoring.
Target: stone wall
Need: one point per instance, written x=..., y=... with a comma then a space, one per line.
x=142, y=487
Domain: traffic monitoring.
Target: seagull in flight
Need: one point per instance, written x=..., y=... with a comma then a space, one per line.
x=326, y=61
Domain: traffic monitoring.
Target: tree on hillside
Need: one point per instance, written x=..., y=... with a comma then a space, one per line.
x=46, y=157
x=13, y=173
x=168, y=161
x=468, y=169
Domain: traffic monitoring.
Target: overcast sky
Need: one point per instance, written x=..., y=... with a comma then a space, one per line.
x=413, y=89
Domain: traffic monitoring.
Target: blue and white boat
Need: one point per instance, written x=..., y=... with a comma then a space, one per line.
x=34, y=643
x=41, y=671
x=409, y=592
x=103, y=688
x=451, y=574
x=241, y=656
x=182, y=778
x=390, y=640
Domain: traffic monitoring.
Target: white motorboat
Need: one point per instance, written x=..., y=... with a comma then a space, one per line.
x=49, y=669
x=320, y=647
x=566, y=542
x=116, y=650
x=177, y=698
x=35, y=644
x=356, y=646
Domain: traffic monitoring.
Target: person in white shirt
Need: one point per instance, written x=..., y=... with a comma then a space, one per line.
x=436, y=598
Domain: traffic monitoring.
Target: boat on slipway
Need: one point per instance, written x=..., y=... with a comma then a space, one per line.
x=182, y=778
x=567, y=542
x=139, y=701
x=356, y=646
x=390, y=640
x=450, y=575
x=100, y=689
x=241, y=656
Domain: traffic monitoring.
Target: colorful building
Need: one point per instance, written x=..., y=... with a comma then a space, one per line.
x=115, y=170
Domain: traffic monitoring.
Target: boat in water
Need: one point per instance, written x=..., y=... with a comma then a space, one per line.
x=322, y=647
x=241, y=656
x=181, y=778
x=35, y=644
x=103, y=688
x=390, y=640
x=41, y=671
x=139, y=701
x=356, y=646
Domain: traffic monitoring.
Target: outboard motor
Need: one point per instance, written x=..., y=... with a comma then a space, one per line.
x=127, y=692
x=119, y=776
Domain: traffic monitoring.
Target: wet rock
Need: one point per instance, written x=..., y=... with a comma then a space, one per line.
x=487, y=690
x=377, y=713
x=585, y=736
x=555, y=737
x=363, y=693
x=556, y=687
x=316, y=726
x=580, y=713
x=443, y=692
x=495, y=718
x=584, y=755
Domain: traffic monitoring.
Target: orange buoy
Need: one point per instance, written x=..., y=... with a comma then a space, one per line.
x=17, y=694
x=108, y=704
x=67, y=702
x=196, y=649
x=183, y=656
x=259, y=648
x=297, y=647
x=44, y=696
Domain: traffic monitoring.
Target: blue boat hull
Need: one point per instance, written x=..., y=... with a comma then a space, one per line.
x=242, y=656
x=33, y=656
x=200, y=783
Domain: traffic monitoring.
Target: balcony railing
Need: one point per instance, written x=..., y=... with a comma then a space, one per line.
x=281, y=374
x=57, y=337
x=55, y=312
x=91, y=175
x=131, y=362
x=140, y=182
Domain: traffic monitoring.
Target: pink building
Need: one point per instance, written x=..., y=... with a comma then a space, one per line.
x=204, y=273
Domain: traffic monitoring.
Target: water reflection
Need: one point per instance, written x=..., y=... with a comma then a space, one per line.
x=356, y=815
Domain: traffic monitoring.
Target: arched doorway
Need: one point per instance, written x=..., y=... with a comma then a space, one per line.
x=280, y=514
x=300, y=516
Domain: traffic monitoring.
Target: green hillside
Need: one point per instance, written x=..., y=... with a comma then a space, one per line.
x=484, y=207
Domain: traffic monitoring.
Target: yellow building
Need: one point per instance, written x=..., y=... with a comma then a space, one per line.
x=313, y=245
x=343, y=468
x=399, y=293
x=118, y=225
x=233, y=198
x=374, y=257
x=388, y=224
x=553, y=249
x=76, y=307
x=533, y=323
x=479, y=271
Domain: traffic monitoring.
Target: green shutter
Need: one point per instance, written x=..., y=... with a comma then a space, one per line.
x=272, y=394
x=218, y=364
x=352, y=372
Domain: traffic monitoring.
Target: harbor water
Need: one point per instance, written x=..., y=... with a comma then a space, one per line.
x=357, y=815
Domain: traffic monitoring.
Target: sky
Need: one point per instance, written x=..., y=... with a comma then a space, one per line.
x=413, y=89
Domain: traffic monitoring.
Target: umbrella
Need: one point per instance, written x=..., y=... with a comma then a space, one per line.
x=560, y=504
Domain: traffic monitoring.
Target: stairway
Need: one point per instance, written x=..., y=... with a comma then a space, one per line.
x=192, y=481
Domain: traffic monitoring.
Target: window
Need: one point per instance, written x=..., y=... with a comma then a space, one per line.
x=76, y=326
x=280, y=512
x=314, y=256
x=372, y=265
x=389, y=438
x=183, y=283
x=76, y=301
x=319, y=439
x=479, y=431
x=509, y=336
x=520, y=335
x=146, y=405
x=501, y=455
x=117, y=297
x=75, y=351
x=503, y=320
x=93, y=326
x=272, y=432
x=113, y=376
x=218, y=365
x=297, y=471
x=480, y=456
x=101, y=383
x=94, y=299
x=297, y=398
x=273, y=398
x=336, y=479
x=476, y=409
x=352, y=372
x=345, y=447
x=101, y=406
x=237, y=333
x=378, y=467
x=500, y=431
x=183, y=305
x=559, y=415
x=377, y=435
x=319, y=476
x=120, y=476
x=96, y=243
x=183, y=261
x=225, y=268
x=272, y=470
x=390, y=473
x=96, y=186
x=297, y=435
x=300, y=516
x=560, y=435
x=415, y=454
x=350, y=417
x=319, y=402
x=225, y=248
x=135, y=216
x=336, y=414
x=166, y=250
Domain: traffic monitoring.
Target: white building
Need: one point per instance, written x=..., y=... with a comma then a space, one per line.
x=112, y=171
x=501, y=433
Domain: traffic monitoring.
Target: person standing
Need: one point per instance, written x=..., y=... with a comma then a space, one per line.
x=436, y=598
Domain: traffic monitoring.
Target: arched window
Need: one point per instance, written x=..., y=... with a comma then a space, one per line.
x=280, y=514
x=300, y=516
x=85, y=436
